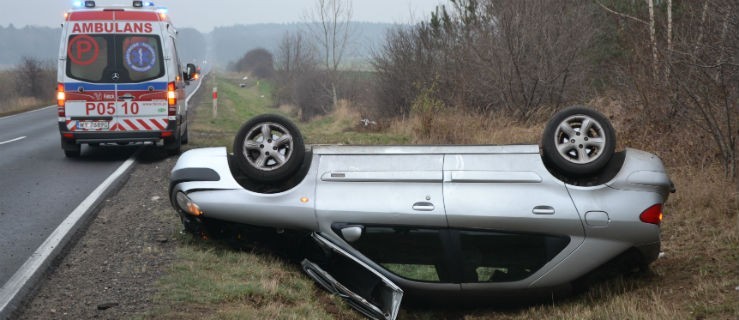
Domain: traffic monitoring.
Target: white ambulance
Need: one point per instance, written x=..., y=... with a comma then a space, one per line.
x=120, y=79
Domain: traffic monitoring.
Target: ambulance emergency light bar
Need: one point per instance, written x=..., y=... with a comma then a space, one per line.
x=86, y=4
x=139, y=4
x=91, y=4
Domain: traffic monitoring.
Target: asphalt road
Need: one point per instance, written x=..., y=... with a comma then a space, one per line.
x=39, y=186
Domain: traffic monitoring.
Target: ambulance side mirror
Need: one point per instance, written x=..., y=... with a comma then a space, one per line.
x=191, y=72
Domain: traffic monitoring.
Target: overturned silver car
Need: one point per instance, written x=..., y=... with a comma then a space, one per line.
x=435, y=223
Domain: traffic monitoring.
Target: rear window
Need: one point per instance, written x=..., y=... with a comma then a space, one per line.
x=114, y=58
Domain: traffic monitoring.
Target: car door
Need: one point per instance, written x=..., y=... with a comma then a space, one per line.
x=509, y=216
x=142, y=87
x=366, y=290
x=371, y=185
x=116, y=73
x=370, y=199
x=91, y=90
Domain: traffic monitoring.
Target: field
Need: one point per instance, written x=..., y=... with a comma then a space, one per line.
x=697, y=277
x=12, y=103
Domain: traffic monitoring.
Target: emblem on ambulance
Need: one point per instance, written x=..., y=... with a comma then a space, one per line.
x=140, y=56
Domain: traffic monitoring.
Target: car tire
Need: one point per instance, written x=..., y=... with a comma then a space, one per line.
x=71, y=149
x=573, y=153
x=173, y=146
x=186, y=136
x=268, y=148
x=72, y=153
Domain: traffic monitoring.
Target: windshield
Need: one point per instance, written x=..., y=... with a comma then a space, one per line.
x=114, y=58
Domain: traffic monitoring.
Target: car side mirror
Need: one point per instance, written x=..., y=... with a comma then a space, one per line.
x=191, y=72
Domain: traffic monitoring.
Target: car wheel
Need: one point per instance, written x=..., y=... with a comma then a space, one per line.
x=578, y=141
x=174, y=145
x=72, y=153
x=268, y=148
x=186, y=136
x=71, y=149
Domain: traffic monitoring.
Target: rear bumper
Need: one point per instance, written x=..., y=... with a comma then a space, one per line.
x=79, y=137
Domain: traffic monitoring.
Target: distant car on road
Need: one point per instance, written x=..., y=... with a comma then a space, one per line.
x=434, y=223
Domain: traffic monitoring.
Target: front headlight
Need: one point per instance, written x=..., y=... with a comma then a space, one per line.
x=188, y=206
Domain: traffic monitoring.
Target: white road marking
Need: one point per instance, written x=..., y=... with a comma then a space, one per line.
x=13, y=140
x=41, y=257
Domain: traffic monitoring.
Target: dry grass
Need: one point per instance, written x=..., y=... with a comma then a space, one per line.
x=453, y=127
x=15, y=105
x=11, y=103
x=210, y=281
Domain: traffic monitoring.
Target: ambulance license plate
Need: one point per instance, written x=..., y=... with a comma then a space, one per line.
x=93, y=125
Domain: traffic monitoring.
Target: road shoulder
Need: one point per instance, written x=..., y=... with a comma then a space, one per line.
x=111, y=270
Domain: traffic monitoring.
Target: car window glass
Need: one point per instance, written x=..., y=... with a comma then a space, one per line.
x=411, y=253
x=141, y=58
x=502, y=257
x=95, y=58
x=176, y=55
x=87, y=57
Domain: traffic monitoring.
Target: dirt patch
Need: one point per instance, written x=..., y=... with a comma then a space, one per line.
x=110, y=271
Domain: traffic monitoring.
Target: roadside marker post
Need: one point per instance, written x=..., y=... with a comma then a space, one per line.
x=215, y=102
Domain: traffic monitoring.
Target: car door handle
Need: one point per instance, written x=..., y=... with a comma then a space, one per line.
x=423, y=206
x=543, y=210
x=125, y=98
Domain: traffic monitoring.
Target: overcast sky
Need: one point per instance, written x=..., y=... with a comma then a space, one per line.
x=207, y=14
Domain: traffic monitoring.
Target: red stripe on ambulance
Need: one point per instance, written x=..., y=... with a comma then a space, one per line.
x=159, y=125
x=149, y=124
x=137, y=16
x=144, y=124
x=90, y=15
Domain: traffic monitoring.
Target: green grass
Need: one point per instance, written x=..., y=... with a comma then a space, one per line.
x=236, y=105
x=211, y=281
x=332, y=129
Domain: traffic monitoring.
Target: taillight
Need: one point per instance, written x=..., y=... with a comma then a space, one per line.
x=652, y=215
x=61, y=99
x=172, y=98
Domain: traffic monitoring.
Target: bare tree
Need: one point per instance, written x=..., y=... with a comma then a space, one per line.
x=486, y=55
x=706, y=75
x=330, y=24
x=650, y=24
x=33, y=78
x=298, y=77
